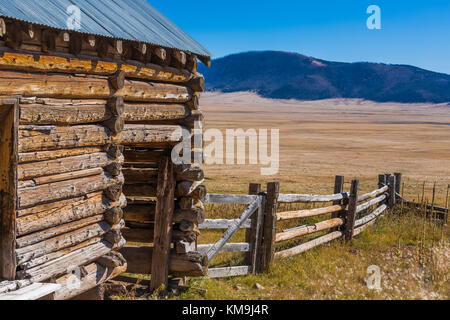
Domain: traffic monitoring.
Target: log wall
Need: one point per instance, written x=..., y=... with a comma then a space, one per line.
x=90, y=134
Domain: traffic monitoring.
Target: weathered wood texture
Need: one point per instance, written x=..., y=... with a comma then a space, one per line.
x=72, y=112
x=338, y=188
x=317, y=227
x=370, y=203
x=65, y=212
x=255, y=233
x=377, y=212
x=237, y=224
x=35, y=291
x=229, y=272
x=85, y=87
x=281, y=216
x=60, y=266
x=97, y=135
x=209, y=224
x=391, y=192
x=398, y=185
x=229, y=247
x=64, y=165
x=95, y=274
x=63, y=241
x=306, y=198
x=9, y=115
x=163, y=224
x=351, y=211
x=372, y=194
x=66, y=189
x=146, y=235
x=66, y=64
x=37, y=156
x=309, y=245
x=137, y=135
x=139, y=260
x=270, y=219
x=229, y=198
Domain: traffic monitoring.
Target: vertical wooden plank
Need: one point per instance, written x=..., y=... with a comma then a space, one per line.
x=349, y=225
x=398, y=184
x=270, y=220
x=8, y=190
x=163, y=224
x=381, y=180
x=254, y=235
x=392, y=197
x=338, y=188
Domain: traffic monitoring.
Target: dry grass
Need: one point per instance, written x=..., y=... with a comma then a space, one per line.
x=319, y=140
x=357, y=139
x=339, y=271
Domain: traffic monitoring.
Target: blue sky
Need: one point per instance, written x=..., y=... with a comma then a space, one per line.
x=413, y=32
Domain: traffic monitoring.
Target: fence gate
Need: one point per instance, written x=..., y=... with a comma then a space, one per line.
x=250, y=219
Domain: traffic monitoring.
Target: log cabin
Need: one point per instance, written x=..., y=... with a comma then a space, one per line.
x=89, y=117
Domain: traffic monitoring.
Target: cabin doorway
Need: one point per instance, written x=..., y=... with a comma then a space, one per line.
x=9, y=119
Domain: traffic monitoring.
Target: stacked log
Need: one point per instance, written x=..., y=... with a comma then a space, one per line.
x=90, y=136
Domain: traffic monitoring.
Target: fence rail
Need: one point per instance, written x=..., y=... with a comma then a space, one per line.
x=261, y=217
x=255, y=205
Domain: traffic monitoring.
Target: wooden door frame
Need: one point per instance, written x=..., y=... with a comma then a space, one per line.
x=9, y=125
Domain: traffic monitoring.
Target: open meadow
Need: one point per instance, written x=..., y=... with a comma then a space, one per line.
x=321, y=139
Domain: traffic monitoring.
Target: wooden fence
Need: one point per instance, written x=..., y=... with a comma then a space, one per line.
x=348, y=214
x=250, y=219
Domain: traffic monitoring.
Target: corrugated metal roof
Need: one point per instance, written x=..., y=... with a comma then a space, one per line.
x=133, y=20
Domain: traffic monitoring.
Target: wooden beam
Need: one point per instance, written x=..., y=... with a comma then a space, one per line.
x=89, y=87
x=210, y=224
x=140, y=260
x=381, y=180
x=338, y=188
x=255, y=233
x=270, y=220
x=309, y=229
x=215, y=249
x=287, y=215
x=349, y=225
x=163, y=224
x=309, y=245
x=229, y=272
x=69, y=64
x=307, y=198
x=8, y=189
x=392, y=196
x=398, y=184
x=229, y=198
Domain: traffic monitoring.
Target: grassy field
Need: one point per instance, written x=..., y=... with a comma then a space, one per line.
x=321, y=139
x=357, y=139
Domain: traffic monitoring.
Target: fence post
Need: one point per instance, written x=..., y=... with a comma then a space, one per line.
x=381, y=180
x=270, y=220
x=349, y=225
x=392, y=186
x=163, y=224
x=338, y=188
x=254, y=235
x=398, y=185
